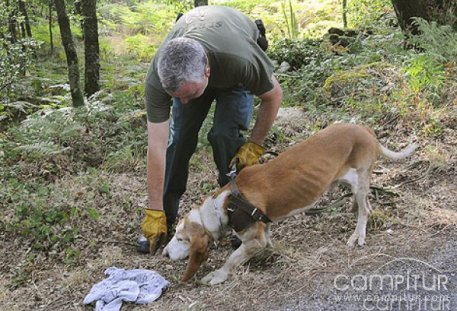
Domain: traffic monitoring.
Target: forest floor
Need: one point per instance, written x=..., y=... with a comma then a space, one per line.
x=411, y=242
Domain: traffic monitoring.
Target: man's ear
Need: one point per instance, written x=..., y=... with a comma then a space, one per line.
x=207, y=71
x=198, y=251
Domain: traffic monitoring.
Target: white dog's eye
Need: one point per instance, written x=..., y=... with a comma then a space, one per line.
x=179, y=239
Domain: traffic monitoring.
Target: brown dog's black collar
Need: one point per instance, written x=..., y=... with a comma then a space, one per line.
x=241, y=212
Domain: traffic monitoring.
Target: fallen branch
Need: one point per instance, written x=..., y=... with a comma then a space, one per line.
x=429, y=168
x=441, y=230
x=390, y=120
x=338, y=203
x=380, y=189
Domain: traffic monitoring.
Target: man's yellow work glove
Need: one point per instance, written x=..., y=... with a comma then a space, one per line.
x=248, y=154
x=154, y=228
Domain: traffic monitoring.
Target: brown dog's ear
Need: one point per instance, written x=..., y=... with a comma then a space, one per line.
x=198, y=251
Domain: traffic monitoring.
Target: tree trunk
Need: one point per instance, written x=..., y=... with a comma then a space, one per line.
x=79, y=13
x=91, y=47
x=405, y=11
x=345, y=15
x=12, y=24
x=70, y=51
x=23, y=34
x=440, y=11
x=23, y=10
x=25, y=27
x=200, y=2
x=51, y=36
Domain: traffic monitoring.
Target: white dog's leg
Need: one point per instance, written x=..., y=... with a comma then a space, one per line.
x=364, y=208
x=242, y=254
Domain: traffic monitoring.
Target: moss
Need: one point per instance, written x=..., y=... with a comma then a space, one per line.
x=351, y=77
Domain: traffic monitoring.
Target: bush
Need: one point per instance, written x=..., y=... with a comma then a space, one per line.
x=147, y=18
x=297, y=53
x=425, y=74
x=58, y=142
x=15, y=60
x=140, y=47
x=367, y=13
x=438, y=41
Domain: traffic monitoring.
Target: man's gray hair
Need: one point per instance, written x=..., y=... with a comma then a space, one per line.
x=181, y=60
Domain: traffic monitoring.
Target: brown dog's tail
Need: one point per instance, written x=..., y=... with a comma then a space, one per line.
x=398, y=155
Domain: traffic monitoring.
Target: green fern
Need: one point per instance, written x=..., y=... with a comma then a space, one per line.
x=41, y=149
x=440, y=41
x=425, y=74
x=58, y=126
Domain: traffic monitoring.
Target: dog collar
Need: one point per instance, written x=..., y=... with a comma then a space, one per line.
x=241, y=212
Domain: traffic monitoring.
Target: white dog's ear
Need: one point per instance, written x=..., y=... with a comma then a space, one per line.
x=198, y=251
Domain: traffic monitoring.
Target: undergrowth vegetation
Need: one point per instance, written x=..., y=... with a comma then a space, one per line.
x=44, y=141
x=374, y=77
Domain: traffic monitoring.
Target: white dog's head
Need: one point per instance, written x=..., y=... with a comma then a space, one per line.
x=190, y=240
x=179, y=245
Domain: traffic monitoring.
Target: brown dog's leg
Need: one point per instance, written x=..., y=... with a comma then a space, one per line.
x=361, y=191
x=253, y=241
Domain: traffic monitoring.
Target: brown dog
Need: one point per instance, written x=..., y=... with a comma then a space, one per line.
x=285, y=186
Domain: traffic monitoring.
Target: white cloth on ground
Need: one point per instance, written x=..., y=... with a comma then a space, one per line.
x=139, y=285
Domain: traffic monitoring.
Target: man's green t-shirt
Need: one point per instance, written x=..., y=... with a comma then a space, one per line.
x=230, y=40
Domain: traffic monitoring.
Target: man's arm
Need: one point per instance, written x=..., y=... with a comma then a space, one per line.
x=157, y=148
x=154, y=224
x=267, y=112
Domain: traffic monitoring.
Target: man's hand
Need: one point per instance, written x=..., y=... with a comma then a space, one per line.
x=248, y=154
x=154, y=228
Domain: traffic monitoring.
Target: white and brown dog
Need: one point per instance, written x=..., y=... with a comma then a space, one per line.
x=285, y=186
